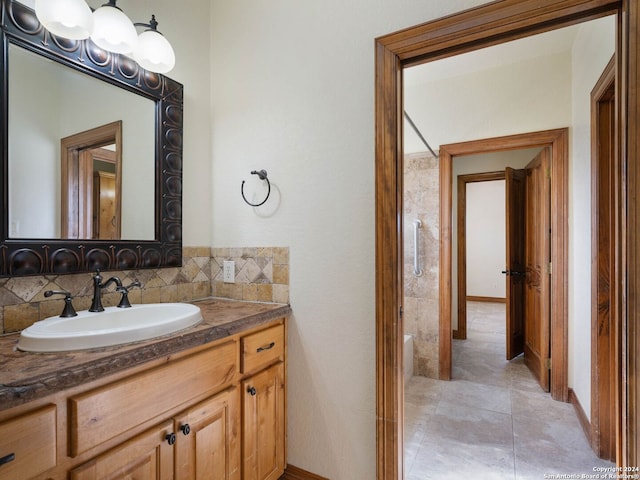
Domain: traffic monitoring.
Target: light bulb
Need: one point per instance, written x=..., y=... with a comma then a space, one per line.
x=154, y=52
x=113, y=31
x=65, y=18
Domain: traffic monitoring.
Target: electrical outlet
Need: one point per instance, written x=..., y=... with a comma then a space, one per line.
x=229, y=271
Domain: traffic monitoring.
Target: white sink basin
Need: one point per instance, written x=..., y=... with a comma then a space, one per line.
x=114, y=326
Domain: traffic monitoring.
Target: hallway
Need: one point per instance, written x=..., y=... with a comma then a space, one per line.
x=492, y=421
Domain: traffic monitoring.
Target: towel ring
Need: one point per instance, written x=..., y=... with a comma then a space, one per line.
x=262, y=174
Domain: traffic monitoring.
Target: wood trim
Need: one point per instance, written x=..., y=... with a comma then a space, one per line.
x=491, y=24
x=77, y=177
x=389, y=266
x=480, y=27
x=628, y=226
x=461, y=332
x=295, y=473
x=582, y=416
x=473, y=298
x=444, y=282
x=604, y=238
x=557, y=140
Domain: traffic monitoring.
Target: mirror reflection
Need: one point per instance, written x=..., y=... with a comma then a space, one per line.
x=80, y=154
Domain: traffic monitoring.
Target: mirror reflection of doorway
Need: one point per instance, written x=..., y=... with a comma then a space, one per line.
x=91, y=183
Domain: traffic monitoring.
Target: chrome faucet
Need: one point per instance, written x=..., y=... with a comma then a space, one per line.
x=96, y=304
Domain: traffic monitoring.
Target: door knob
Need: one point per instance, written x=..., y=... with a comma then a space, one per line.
x=506, y=272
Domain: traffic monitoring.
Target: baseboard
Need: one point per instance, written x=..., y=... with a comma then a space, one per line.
x=295, y=473
x=473, y=298
x=582, y=417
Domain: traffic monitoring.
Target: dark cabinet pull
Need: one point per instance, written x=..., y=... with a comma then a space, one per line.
x=7, y=458
x=185, y=429
x=266, y=347
x=170, y=438
x=252, y=391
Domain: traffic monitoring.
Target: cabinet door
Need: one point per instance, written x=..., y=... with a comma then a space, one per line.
x=148, y=456
x=263, y=440
x=28, y=444
x=208, y=444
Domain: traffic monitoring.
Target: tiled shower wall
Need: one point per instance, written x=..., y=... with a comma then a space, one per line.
x=421, y=307
x=22, y=300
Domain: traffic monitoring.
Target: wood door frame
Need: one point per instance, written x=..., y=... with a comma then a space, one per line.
x=480, y=27
x=558, y=142
x=76, y=175
x=605, y=350
x=461, y=332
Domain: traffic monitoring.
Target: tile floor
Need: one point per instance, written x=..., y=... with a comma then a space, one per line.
x=492, y=421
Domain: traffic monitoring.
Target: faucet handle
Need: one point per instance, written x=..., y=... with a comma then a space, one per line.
x=68, y=310
x=124, y=301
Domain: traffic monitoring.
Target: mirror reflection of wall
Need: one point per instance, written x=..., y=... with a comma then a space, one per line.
x=48, y=102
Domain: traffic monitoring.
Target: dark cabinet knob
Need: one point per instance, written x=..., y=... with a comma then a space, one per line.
x=170, y=438
x=185, y=429
x=252, y=391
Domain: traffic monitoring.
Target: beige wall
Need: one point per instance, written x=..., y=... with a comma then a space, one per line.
x=293, y=93
x=289, y=86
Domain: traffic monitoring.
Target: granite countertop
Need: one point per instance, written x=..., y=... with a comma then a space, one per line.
x=28, y=376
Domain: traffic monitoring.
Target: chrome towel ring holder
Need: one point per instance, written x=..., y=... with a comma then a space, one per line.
x=262, y=174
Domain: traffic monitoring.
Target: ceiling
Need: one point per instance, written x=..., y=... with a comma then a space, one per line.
x=549, y=43
x=555, y=42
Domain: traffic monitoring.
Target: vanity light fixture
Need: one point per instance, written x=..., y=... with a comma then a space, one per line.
x=110, y=29
x=153, y=52
x=65, y=18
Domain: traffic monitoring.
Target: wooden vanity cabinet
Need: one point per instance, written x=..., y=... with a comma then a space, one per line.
x=147, y=456
x=28, y=444
x=193, y=416
x=200, y=443
x=208, y=439
x=263, y=404
x=263, y=436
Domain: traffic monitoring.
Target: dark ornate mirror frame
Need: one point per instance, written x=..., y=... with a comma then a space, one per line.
x=20, y=26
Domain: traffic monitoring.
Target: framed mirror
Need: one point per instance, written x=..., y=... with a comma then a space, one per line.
x=91, y=156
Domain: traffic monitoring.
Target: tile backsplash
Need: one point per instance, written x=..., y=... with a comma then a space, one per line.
x=262, y=274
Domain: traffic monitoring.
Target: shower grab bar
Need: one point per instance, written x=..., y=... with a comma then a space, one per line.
x=417, y=271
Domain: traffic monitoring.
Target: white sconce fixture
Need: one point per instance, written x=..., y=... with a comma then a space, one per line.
x=65, y=18
x=154, y=52
x=110, y=29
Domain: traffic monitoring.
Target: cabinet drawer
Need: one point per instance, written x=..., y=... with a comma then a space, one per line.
x=145, y=456
x=101, y=414
x=262, y=348
x=28, y=444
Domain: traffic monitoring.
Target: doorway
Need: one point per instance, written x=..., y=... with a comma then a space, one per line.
x=483, y=26
x=605, y=310
x=508, y=243
x=460, y=329
x=556, y=141
x=91, y=191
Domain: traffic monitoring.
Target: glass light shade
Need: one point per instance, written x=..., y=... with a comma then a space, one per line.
x=154, y=52
x=113, y=31
x=65, y=18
